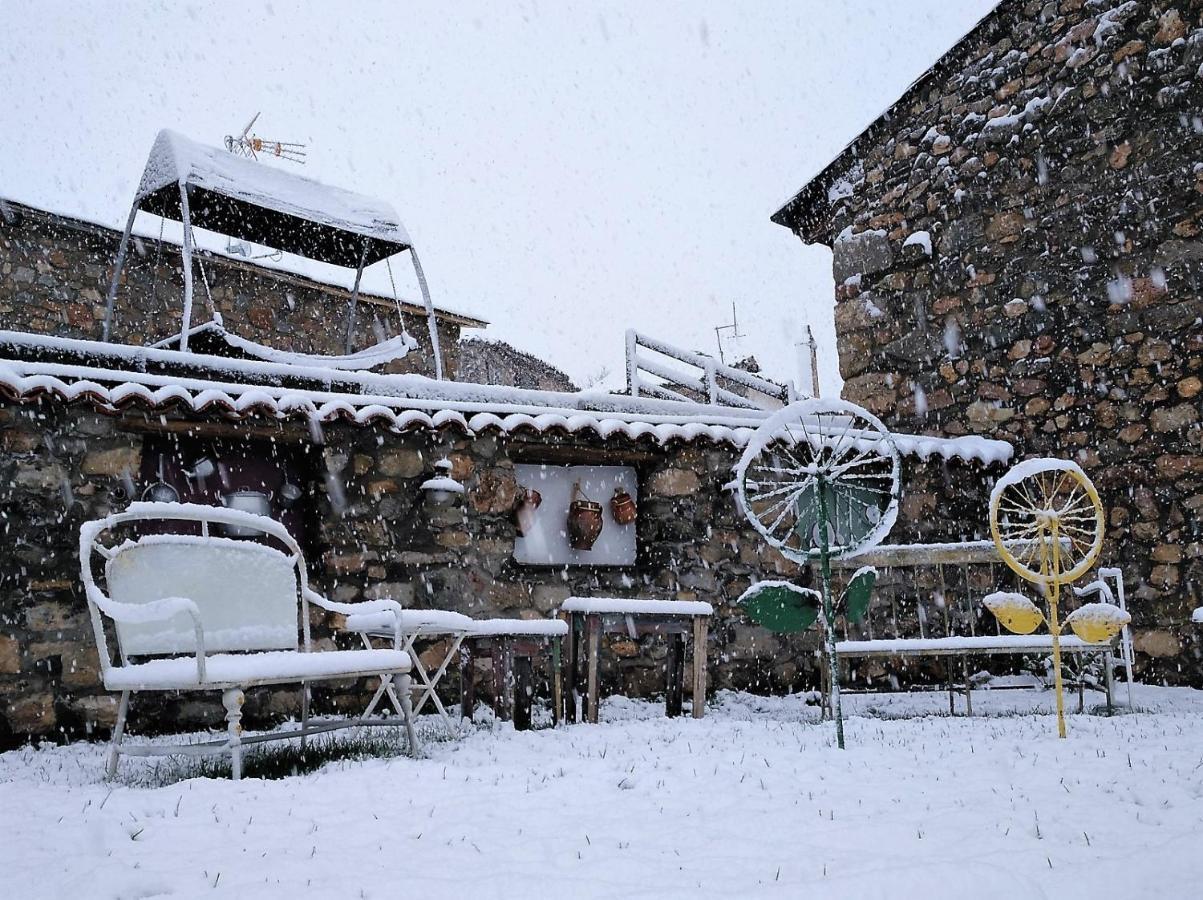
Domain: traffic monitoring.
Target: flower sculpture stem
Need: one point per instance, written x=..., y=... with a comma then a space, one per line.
x=833, y=663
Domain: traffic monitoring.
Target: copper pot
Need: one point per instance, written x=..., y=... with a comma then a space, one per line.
x=622, y=507
x=524, y=511
x=584, y=520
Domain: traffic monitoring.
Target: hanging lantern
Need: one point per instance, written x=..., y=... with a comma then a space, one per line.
x=622, y=507
x=584, y=520
x=442, y=489
x=524, y=511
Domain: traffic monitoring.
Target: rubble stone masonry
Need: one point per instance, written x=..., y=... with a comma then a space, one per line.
x=1018, y=253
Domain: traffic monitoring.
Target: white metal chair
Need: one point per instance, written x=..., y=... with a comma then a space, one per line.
x=204, y=612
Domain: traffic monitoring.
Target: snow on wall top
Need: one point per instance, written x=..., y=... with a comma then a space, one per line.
x=175, y=159
x=113, y=376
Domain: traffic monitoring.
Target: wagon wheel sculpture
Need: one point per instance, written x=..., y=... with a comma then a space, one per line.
x=819, y=479
x=1047, y=523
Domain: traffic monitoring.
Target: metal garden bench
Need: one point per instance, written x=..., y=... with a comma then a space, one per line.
x=927, y=602
x=204, y=612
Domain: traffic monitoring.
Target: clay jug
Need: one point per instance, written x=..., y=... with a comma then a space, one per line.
x=584, y=520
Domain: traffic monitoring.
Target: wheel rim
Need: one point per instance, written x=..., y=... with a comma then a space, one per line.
x=1027, y=510
x=816, y=445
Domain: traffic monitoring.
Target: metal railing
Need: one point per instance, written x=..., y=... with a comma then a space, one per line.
x=707, y=379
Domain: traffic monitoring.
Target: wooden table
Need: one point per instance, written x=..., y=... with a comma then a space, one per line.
x=511, y=644
x=589, y=617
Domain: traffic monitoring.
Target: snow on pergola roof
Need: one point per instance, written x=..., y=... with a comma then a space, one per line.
x=255, y=202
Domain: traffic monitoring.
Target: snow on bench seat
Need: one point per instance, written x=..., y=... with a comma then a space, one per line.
x=240, y=670
x=592, y=606
x=948, y=646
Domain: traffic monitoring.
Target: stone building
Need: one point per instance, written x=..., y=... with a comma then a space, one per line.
x=1017, y=253
x=85, y=426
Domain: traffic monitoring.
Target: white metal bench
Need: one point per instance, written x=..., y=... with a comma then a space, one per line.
x=942, y=600
x=203, y=612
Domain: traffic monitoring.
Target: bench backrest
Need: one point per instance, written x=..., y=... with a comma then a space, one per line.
x=247, y=593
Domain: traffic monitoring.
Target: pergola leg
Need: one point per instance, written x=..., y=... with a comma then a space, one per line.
x=111, y=299
x=186, y=252
x=431, y=322
x=353, y=306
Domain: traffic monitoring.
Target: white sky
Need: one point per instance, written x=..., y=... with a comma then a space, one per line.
x=567, y=171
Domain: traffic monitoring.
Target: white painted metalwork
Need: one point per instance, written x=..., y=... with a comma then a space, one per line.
x=174, y=599
x=712, y=383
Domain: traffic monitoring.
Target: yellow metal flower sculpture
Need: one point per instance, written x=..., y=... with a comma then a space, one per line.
x=1047, y=523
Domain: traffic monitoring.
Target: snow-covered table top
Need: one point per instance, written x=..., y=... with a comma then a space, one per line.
x=623, y=606
x=421, y=621
x=982, y=643
x=519, y=627
x=441, y=621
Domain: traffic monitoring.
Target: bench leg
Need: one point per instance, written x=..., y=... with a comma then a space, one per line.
x=232, y=700
x=118, y=734
x=968, y=686
x=674, y=675
x=1109, y=682
x=304, y=715
x=952, y=705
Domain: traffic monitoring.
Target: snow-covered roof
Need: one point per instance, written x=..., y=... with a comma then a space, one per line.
x=254, y=201
x=114, y=376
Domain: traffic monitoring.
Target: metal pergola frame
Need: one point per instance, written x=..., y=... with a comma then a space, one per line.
x=209, y=188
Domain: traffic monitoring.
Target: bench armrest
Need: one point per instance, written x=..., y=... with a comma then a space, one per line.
x=362, y=606
x=154, y=611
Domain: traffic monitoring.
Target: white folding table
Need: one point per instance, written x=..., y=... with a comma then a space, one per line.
x=418, y=624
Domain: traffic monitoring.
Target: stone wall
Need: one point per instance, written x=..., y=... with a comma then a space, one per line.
x=55, y=273
x=1018, y=253
x=371, y=533
x=496, y=362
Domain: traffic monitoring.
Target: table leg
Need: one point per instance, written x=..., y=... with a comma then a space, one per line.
x=569, y=667
x=467, y=682
x=557, y=683
x=700, y=628
x=503, y=679
x=523, y=680
x=674, y=675
x=592, y=652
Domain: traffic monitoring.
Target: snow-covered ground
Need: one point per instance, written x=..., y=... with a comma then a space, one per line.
x=753, y=800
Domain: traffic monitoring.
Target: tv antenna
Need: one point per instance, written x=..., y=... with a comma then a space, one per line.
x=731, y=331
x=251, y=145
